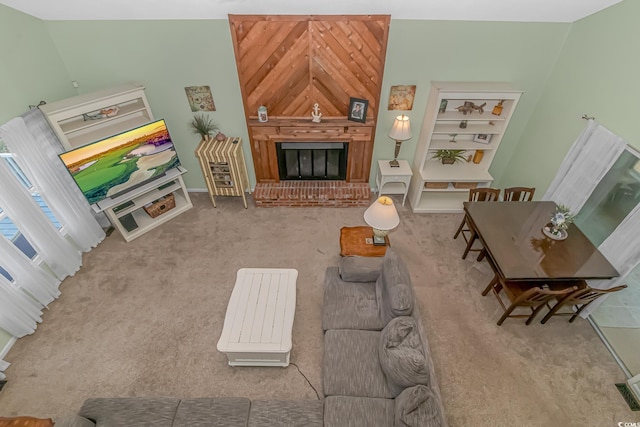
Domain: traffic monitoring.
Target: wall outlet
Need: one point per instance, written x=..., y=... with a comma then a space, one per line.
x=75, y=84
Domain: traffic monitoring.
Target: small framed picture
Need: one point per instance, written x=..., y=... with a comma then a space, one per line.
x=484, y=138
x=358, y=110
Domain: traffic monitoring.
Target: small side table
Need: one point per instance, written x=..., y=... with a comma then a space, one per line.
x=353, y=241
x=393, y=180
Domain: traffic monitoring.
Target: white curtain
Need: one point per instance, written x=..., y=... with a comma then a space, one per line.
x=60, y=255
x=20, y=317
x=27, y=275
x=622, y=249
x=587, y=161
x=35, y=148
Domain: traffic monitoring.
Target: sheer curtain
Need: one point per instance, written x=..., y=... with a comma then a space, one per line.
x=60, y=255
x=35, y=148
x=27, y=275
x=587, y=161
x=20, y=317
x=622, y=249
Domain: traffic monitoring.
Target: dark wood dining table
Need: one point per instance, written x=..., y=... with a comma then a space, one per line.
x=511, y=233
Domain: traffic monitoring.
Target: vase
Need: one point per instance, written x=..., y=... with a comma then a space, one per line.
x=220, y=136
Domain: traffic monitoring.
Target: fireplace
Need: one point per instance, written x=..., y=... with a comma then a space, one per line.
x=312, y=161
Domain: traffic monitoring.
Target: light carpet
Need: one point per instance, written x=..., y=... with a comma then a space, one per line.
x=143, y=319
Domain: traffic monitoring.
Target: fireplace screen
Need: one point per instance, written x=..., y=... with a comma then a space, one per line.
x=312, y=160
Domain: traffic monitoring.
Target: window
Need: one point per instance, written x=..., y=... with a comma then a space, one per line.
x=7, y=227
x=612, y=200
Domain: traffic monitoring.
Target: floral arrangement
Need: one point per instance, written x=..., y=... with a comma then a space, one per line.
x=562, y=218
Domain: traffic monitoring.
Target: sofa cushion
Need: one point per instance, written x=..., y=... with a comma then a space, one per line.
x=345, y=411
x=360, y=268
x=393, y=288
x=289, y=413
x=73, y=420
x=130, y=411
x=402, y=355
x=351, y=366
x=418, y=406
x=349, y=305
x=214, y=412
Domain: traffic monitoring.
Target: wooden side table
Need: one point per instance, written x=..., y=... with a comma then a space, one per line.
x=26, y=422
x=353, y=241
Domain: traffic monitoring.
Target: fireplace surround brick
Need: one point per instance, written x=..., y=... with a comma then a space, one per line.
x=312, y=193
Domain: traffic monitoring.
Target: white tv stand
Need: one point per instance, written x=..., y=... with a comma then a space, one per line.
x=126, y=212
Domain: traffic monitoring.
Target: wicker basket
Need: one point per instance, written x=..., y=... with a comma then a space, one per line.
x=161, y=206
x=462, y=184
x=436, y=184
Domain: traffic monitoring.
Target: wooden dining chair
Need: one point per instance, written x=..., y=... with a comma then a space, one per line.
x=518, y=194
x=523, y=294
x=486, y=194
x=579, y=299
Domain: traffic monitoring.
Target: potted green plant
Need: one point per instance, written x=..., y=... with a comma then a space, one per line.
x=449, y=157
x=202, y=125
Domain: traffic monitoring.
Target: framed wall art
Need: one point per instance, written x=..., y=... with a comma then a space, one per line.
x=200, y=98
x=401, y=97
x=358, y=110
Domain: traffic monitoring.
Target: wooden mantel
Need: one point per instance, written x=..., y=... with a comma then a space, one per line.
x=290, y=62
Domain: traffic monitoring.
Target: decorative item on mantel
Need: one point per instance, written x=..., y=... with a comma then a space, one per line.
x=315, y=113
x=262, y=114
x=556, y=229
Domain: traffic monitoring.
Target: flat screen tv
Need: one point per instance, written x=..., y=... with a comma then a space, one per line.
x=115, y=165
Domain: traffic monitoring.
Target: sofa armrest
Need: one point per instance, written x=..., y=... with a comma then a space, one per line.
x=360, y=269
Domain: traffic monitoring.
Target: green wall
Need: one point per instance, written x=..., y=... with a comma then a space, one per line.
x=596, y=74
x=166, y=56
x=30, y=69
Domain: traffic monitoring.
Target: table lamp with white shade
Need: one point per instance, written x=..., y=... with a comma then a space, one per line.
x=401, y=131
x=382, y=216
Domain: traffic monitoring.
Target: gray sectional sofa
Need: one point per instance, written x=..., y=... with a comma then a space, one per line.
x=377, y=368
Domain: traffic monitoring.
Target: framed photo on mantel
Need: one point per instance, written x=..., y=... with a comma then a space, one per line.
x=358, y=110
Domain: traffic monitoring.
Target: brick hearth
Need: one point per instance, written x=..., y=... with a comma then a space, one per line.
x=338, y=194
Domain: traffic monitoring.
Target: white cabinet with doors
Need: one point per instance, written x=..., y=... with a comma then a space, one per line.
x=471, y=118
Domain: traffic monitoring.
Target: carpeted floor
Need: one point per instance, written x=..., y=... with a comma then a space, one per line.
x=143, y=318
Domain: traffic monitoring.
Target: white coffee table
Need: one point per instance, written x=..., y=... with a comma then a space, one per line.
x=259, y=320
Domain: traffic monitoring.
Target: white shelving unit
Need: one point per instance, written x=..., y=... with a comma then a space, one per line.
x=436, y=187
x=126, y=212
x=70, y=120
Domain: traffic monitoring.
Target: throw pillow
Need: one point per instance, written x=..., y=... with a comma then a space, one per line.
x=359, y=269
x=393, y=289
x=417, y=407
x=401, y=355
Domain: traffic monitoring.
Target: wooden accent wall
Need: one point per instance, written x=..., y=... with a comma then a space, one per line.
x=290, y=62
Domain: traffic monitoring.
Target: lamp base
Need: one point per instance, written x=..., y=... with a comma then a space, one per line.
x=394, y=163
x=379, y=241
